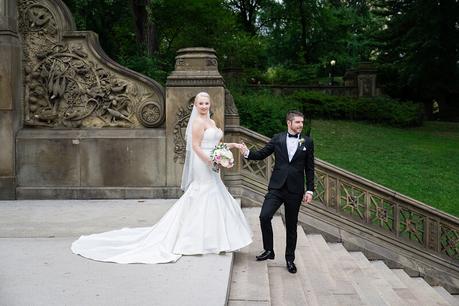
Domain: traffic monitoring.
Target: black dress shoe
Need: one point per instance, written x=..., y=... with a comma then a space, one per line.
x=291, y=267
x=266, y=255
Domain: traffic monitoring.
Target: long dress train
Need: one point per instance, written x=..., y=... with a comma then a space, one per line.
x=206, y=219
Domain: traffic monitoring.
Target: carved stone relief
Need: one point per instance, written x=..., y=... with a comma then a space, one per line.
x=230, y=106
x=67, y=86
x=182, y=116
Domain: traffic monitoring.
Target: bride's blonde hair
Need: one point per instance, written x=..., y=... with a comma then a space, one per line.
x=201, y=94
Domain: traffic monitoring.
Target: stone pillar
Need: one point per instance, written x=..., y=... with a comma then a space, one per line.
x=196, y=70
x=10, y=92
x=366, y=80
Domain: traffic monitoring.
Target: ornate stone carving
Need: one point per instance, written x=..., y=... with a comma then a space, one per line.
x=257, y=168
x=180, y=62
x=149, y=113
x=230, y=106
x=67, y=86
x=449, y=241
x=196, y=82
x=412, y=225
x=352, y=200
x=212, y=62
x=320, y=183
x=381, y=212
x=182, y=117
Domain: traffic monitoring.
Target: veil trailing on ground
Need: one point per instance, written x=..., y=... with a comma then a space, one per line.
x=187, y=174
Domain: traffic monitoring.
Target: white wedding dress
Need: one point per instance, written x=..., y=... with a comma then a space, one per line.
x=206, y=219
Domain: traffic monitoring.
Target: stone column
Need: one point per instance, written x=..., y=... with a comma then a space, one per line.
x=10, y=92
x=366, y=79
x=196, y=70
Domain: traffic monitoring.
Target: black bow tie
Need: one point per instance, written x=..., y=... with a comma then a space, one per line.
x=290, y=135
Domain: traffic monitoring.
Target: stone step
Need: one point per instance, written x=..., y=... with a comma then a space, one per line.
x=421, y=289
x=367, y=291
x=381, y=284
x=286, y=288
x=452, y=299
x=249, y=281
x=327, y=275
x=319, y=284
x=304, y=275
x=345, y=269
x=421, y=283
x=387, y=274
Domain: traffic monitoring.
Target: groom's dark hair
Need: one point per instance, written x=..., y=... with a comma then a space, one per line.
x=292, y=114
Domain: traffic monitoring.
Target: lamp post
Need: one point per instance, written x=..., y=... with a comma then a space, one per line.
x=332, y=67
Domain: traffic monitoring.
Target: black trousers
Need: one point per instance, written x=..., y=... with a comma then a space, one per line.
x=273, y=200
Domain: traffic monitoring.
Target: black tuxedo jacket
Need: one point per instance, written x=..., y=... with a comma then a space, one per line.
x=290, y=173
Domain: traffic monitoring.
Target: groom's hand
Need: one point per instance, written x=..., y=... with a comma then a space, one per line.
x=307, y=198
x=243, y=148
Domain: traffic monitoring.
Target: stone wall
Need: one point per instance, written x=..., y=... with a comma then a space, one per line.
x=75, y=124
x=10, y=96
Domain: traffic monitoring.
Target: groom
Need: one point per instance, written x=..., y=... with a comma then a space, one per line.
x=294, y=154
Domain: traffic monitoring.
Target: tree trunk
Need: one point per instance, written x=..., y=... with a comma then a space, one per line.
x=304, y=35
x=145, y=29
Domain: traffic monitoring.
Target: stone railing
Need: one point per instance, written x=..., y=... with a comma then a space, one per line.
x=368, y=216
x=248, y=179
x=364, y=216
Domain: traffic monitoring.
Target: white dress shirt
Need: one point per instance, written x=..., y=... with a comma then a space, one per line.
x=292, y=146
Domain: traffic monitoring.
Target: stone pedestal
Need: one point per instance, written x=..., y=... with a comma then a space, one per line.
x=196, y=70
x=10, y=91
x=366, y=80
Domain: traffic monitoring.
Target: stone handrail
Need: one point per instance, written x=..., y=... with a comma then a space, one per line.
x=424, y=239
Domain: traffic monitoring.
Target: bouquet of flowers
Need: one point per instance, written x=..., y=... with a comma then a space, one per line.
x=221, y=156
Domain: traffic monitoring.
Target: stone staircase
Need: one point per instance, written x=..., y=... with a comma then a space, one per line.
x=327, y=275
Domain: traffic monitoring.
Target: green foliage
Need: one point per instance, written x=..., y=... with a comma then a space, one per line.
x=147, y=65
x=283, y=75
x=415, y=42
x=263, y=112
x=418, y=51
x=241, y=50
x=378, y=110
x=111, y=20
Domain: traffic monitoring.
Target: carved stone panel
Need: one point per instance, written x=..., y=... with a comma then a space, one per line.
x=70, y=83
x=182, y=117
x=449, y=241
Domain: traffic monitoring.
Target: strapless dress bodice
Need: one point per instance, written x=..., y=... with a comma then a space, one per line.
x=211, y=138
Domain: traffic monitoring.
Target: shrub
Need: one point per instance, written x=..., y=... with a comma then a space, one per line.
x=265, y=113
x=378, y=109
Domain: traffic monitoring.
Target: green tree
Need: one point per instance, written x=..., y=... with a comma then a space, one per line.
x=418, y=51
x=112, y=20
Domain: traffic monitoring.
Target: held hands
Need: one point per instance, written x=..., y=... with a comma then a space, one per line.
x=242, y=148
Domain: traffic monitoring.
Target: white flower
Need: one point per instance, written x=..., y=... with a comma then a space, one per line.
x=300, y=141
x=221, y=155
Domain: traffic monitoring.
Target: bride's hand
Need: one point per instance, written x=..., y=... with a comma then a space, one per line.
x=243, y=148
x=231, y=145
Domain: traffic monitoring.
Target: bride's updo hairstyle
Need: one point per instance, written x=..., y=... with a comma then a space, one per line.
x=201, y=94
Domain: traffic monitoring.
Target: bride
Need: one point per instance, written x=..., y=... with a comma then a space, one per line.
x=206, y=219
